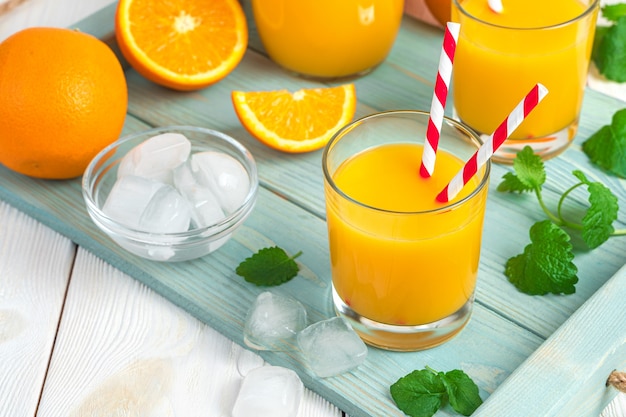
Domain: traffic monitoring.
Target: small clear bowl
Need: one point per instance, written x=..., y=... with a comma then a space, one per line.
x=101, y=174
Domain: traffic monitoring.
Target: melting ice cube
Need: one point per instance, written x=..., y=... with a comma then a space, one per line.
x=206, y=210
x=224, y=175
x=273, y=322
x=167, y=212
x=129, y=198
x=147, y=205
x=331, y=347
x=156, y=157
x=269, y=391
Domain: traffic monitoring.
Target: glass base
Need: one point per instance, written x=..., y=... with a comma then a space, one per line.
x=404, y=338
x=546, y=147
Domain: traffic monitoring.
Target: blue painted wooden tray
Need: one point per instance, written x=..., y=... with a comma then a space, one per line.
x=512, y=342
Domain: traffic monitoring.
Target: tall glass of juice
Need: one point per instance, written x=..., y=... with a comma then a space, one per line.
x=328, y=39
x=403, y=266
x=501, y=55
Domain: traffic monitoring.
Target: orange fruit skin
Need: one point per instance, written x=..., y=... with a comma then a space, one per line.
x=63, y=98
x=211, y=40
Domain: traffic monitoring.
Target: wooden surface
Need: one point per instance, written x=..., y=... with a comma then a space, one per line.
x=83, y=337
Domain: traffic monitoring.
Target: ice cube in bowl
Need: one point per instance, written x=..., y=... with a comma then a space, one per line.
x=213, y=216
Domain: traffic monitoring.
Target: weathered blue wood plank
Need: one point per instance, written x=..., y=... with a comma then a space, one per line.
x=509, y=217
x=566, y=376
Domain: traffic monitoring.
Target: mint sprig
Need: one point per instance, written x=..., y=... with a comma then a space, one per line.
x=546, y=264
x=269, y=267
x=422, y=392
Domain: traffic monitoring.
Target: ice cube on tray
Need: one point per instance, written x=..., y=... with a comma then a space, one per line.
x=273, y=322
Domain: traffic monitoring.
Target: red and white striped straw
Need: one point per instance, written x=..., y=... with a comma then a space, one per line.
x=497, y=138
x=440, y=95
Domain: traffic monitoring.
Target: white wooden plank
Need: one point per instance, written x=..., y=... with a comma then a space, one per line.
x=34, y=269
x=124, y=350
x=617, y=408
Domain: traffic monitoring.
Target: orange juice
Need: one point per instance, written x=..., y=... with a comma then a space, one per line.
x=328, y=38
x=402, y=268
x=500, y=56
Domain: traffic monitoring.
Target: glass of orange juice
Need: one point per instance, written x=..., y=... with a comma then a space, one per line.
x=403, y=266
x=328, y=39
x=501, y=55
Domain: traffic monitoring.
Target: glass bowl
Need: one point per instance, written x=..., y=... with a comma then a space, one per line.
x=101, y=175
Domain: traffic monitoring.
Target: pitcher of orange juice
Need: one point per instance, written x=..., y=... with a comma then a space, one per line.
x=328, y=38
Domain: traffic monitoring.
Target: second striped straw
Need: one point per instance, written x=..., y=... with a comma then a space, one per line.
x=497, y=138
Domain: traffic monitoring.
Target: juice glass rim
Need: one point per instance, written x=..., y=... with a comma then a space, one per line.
x=445, y=207
x=590, y=8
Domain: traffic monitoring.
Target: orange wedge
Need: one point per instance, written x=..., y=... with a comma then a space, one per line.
x=182, y=44
x=296, y=122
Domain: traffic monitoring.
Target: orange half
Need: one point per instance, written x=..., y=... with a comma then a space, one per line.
x=182, y=44
x=296, y=122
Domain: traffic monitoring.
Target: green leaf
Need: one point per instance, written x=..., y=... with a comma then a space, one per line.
x=597, y=41
x=613, y=12
x=618, y=122
x=269, y=267
x=419, y=394
x=610, y=55
x=546, y=265
x=529, y=168
x=512, y=184
x=598, y=221
x=462, y=392
x=607, y=147
x=529, y=173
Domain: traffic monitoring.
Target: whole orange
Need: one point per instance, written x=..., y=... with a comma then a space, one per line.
x=63, y=98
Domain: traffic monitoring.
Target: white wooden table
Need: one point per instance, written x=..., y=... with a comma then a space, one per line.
x=80, y=338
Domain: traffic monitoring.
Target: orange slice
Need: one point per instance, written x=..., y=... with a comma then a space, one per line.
x=296, y=122
x=182, y=44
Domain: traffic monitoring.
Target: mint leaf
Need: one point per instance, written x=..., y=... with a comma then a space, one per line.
x=613, y=12
x=269, y=267
x=597, y=41
x=607, y=147
x=546, y=264
x=529, y=173
x=529, y=168
x=512, y=184
x=419, y=394
x=598, y=221
x=610, y=55
x=462, y=392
